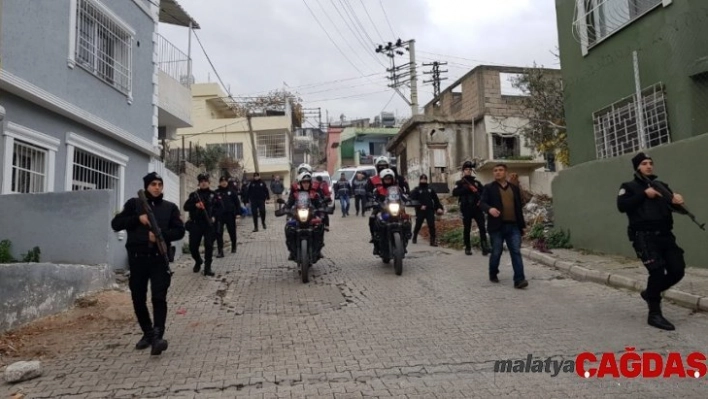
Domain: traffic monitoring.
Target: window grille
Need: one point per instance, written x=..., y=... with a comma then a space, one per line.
x=232, y=150
x=91, y=172
x=616, y=127
x=271, y=145
x=103, y=47
x=604, y=17
x=505, y=147
x=29, y=168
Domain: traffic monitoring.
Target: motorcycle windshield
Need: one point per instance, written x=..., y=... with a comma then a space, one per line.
x=303, y=200
x=393, y=194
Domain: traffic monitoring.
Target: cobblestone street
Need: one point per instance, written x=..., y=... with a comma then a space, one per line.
x=358, y=330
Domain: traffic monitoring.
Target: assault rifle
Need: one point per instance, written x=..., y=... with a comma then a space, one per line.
x=667, y=196
x=206, y=214
x=155, y=229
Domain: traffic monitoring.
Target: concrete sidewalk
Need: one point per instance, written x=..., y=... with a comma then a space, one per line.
x=621, y=272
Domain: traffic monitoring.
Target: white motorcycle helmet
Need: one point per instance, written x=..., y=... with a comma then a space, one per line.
x=304, y=176
x=304, y=167
x=387, y=172
x=382, y=160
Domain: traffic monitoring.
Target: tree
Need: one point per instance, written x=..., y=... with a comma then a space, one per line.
x=543, y=104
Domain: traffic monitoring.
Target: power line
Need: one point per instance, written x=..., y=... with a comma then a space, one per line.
x=389, y=102
x=355, y=32
x=371, y=20
x=386, y=16
x=352, y=96
x=330, y=38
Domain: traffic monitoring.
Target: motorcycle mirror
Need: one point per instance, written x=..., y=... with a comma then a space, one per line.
x=330, y=210
x=279, y=213
x=280, y=201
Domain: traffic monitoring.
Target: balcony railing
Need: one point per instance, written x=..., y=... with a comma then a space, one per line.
x=173, y=62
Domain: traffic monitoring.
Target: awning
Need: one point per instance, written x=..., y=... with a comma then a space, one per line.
x=172, y=13
x=513, y=165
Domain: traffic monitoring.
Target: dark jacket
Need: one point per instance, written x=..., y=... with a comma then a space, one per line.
x=212, y=205
x=342, y=187
x=231, y=205
x=491, y=198
x=168, y=218
x=644, y=213
x=277, y=187
x=244, y=192
x=258, y=192
x=469, y=191
x=359, y=187
x=426, y=196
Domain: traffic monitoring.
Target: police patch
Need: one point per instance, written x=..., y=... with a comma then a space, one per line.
x=622, y=192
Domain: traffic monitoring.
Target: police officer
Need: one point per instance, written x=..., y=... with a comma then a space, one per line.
x=203, y=206
x=258, y=194
x=469, y=192
x=145, y=262
x=231, y=206
x=650, y=231
x=429, y=205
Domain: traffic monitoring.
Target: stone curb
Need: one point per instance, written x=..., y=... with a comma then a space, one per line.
x=681, y=298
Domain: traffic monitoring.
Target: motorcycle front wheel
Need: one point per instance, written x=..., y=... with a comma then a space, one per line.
x=397, y=253
x=304, y=261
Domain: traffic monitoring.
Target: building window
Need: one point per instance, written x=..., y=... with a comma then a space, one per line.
x=28, y=168
x=92, y=166
x=231, y=150
x=505, y=147
x=601, y=18
x=29, y=160
x=617, y=128
x=103, y=45
x=271, y=145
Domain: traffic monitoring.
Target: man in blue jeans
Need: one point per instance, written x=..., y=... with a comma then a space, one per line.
x=502, y=201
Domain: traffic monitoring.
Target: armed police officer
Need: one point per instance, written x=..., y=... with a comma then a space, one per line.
x=231, y=206
x=429, y=205
x=257, y=196
x=469, y=193
x=203, y=206
x=650, y=231
x=145, y=262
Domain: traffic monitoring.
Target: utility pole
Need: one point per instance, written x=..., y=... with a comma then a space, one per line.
x=391, y=50
x=436, y=77
x=314, y=112
x=254, y=150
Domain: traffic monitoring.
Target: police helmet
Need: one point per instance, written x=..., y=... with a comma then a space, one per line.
x=304, y=176
x=382, y=160
x=387, y=173
x=304, y=167
x=468, y=165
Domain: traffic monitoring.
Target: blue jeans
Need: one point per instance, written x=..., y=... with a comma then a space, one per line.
x=344, y=201
x=510, y=234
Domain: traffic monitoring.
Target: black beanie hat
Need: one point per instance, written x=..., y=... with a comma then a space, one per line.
x=638, y=159
x=150, y=177
x=423, y=176
x=223, y=178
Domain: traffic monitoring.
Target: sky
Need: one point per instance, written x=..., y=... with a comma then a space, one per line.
x=257, y=46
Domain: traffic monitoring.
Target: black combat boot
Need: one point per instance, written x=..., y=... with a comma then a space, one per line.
x=197, y=266
x=159, y=344
x=656, y=319
x=468, y=251
x=207, y=270
x=485, y=247
x=146, y=340
x=233, y=247
x=433, y=242
x=220, y=253
x=415, y=239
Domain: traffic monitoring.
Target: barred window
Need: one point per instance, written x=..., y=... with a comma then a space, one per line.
x=617, y=128
x=271, y=145
x=103, y=46
x=232, y=150
x=29, y=168
x=604, y=17
x=91, y=172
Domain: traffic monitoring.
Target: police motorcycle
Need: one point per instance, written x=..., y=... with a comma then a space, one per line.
x=393, y=226
x=304, y=224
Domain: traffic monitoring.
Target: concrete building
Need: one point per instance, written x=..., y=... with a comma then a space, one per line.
x=217, y=123
x=477, y=117
x=360, y=146
x=636, y=79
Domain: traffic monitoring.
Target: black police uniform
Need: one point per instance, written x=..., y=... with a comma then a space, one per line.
x=427, y=197
x=147, y=265
x=469, y=192
x=201, y=225
x=231, y=206
x=650, y=231
x=258, y=194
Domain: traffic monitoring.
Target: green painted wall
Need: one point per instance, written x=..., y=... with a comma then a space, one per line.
x=585, y=199
x=670, y=42
x=347, y=149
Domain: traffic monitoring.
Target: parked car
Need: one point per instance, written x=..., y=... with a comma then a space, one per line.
x=349, y=173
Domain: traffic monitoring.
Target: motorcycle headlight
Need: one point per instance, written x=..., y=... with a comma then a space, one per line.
x=302, y=214
x=394, y=208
